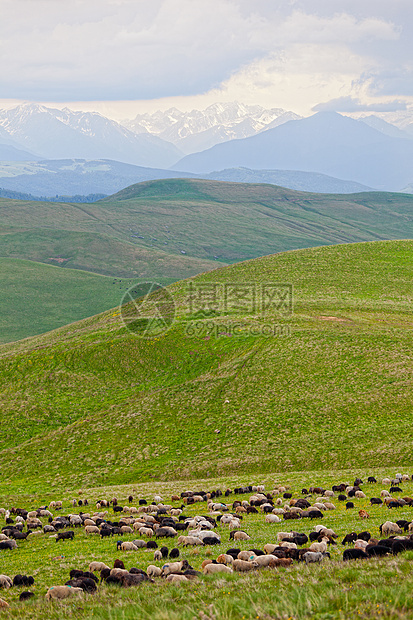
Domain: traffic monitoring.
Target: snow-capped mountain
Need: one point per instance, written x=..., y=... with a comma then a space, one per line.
x=56, y=134
x=200, y=129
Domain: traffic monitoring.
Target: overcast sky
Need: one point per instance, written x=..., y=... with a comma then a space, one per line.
x=126, y=56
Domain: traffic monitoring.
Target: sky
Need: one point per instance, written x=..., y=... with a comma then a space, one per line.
x=123, y=57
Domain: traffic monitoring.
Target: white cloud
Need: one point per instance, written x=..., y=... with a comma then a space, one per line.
x=290, y=54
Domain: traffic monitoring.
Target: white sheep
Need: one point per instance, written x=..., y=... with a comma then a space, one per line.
x=5, y=582
x=97, y=566
x=271, y=518
x=61, y=592
x=211, y=569
x=153, y=571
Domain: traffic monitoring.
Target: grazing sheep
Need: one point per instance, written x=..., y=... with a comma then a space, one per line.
x=129, y=580
x=264, y=560
x=377, y=550
x=384, y=493
x=176, y=579
x=360, y=544
x=153, y=571
x=320, y=547
x=360, y=495
x=211, y=569
x=97, y=566
x=8, y=544
x=247, y=556
x=242, y=566
x=65, y=536
x=5, y=582
x=272, y=518
x=283, y=562
x=189, y=540
x=24, y=596
x=3, y=604
x=174, y=567
x=62, y=592
x=126, y=546
x=388, y=528
x=354, y=554
x=225, y=558
x=92, y=529
x=311, y=557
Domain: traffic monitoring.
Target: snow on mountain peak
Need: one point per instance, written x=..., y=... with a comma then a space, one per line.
x=199, y=129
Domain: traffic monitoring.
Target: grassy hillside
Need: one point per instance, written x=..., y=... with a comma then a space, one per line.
x=93, y=404
x=36, y=298
x=175, y=221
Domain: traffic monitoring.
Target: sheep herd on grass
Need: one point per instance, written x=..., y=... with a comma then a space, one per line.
x=157, y=521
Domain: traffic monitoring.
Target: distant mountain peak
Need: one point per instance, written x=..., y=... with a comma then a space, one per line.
x=219, y=122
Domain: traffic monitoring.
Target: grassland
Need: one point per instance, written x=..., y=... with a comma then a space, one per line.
x=336, y=390
x=376, y=588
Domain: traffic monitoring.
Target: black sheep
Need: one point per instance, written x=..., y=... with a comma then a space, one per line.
x=65, y=536
x=211, y=540
x=401, y=545
x=234, y=553
x=377, y=550
x=371, y=479
x=364, y=536
x=354, y=554
x=315, y=514
x=174, y=553
x=349, y=538
x=376, y=501
x=349, y=505
x=24, y=596
x=164, y=551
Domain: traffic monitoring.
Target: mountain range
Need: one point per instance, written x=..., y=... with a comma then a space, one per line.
x=198, y=130
x=326, y=152
x=326, y=142
x=55, y=134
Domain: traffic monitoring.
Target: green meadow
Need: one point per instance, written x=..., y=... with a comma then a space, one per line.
x=333, y=385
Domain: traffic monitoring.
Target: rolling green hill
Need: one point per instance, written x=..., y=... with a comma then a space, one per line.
x=173, y=221
x=93, y=404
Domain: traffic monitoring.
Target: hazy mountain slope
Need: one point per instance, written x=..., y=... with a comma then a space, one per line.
x=79, y=176
x=293, y=179
x=93, y=388
x=63, y=133
x=327, y=143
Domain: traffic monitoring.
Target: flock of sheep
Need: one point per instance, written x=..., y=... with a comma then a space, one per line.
x=156, y=522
